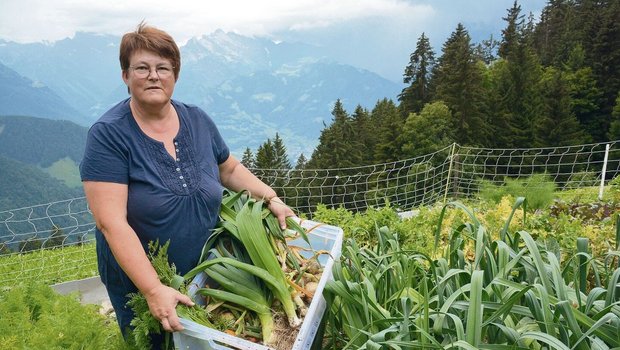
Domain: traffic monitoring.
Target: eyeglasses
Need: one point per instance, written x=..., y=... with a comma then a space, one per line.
x=143, y=71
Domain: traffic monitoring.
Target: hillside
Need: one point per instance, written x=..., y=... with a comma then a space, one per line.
x=23, y=185
x=41, y=142
x=40, y=160
x=80, y=70
x=22, y=96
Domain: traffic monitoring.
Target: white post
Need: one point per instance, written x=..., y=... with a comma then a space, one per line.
x=602, y=186
x=445, y=195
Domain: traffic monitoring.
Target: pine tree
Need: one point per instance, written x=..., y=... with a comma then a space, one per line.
x=559, y=126
x=606, y=63
x=280, y=157
x=301, y=163
x=584, y=92
x=265, y=156
x=248, y=158
x=486, y=51
x=555, y=35
x=511, y=36
x=459, y=84
x=364, y=139
x=388, y=123
x=516, y=84
x=614, y=129
x=56, y=239
x=4, y=249
x=417, y=75
x=496, y=106
x=334, y=148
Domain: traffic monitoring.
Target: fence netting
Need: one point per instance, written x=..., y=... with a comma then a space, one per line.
x=454, y=172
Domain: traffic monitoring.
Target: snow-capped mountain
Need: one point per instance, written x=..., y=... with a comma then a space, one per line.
x=252, y=87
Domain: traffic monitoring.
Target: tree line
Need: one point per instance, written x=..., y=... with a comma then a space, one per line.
x=546, y=83
x=553, y=82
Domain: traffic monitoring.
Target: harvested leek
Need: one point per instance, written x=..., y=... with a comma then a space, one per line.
x=248, y=257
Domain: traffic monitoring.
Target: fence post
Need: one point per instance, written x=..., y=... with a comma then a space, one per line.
x=602, y=186
x=445, y=195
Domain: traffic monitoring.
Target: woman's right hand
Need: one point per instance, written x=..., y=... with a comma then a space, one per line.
x=162, y=302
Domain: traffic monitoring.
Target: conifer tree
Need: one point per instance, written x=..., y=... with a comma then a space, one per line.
x=364, y=138
x=606, y=62
x=499, y=114
x=334, y=148
x=486, y=51
x=614, y=129
x=248, y=158
x=4, y=249
x=388, y=123
x=265, y=156
x=280, y=157
x=554, y=36
x=271, y=156
x=56, y=239
x=417, y=75
x=301, y=163
x=516, y=84
x=511, y=35
x=559, y=126
x=584, y=92
x=459, y=84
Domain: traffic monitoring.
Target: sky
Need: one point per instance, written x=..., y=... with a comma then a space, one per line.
x=378, y=35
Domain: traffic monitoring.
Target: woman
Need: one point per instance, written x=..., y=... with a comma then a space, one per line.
x=154, y=169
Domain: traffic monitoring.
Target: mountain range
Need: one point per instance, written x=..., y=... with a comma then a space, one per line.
x=252, y=87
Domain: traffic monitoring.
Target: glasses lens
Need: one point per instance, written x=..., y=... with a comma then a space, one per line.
x=141, y=71
x=164, y=71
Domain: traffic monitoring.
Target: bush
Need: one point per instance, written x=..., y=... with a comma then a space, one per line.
x=582, y=179
x=538, y=189
x=361, y=226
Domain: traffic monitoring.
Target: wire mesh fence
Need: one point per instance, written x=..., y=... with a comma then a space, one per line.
x=51, y=242
x=30, y=237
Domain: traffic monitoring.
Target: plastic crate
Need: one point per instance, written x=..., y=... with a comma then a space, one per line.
x=321, y=237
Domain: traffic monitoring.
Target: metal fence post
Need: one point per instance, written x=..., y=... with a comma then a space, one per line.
x=602, y=186
x=445, y=195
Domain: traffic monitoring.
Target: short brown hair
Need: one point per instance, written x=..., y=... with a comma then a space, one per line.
x=150, y=39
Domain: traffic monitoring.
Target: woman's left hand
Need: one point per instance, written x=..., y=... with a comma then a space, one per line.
x=280, y=210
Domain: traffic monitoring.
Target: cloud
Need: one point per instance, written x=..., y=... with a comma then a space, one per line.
x=378, y=35
x=51, y=20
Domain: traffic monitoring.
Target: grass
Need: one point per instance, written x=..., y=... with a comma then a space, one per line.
x=49, y=266
x=67, y=171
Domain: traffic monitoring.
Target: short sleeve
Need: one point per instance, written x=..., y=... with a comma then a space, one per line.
x=220, y=149
x=105, y=156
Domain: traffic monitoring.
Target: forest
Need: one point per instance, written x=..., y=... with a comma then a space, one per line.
x=551, y=81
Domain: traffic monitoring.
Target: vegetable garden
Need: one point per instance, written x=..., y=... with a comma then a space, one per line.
x=523, y=263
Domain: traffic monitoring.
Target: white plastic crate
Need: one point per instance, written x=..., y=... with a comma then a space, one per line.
x=321, y=237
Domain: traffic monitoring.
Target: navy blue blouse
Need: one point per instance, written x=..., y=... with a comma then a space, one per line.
x=176, y=199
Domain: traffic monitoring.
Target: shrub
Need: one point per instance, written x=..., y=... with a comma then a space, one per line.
x=538, y=189
x=582, y=179
x=360, y=226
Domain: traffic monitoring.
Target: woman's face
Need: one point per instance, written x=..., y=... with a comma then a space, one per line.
x=150, y=78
